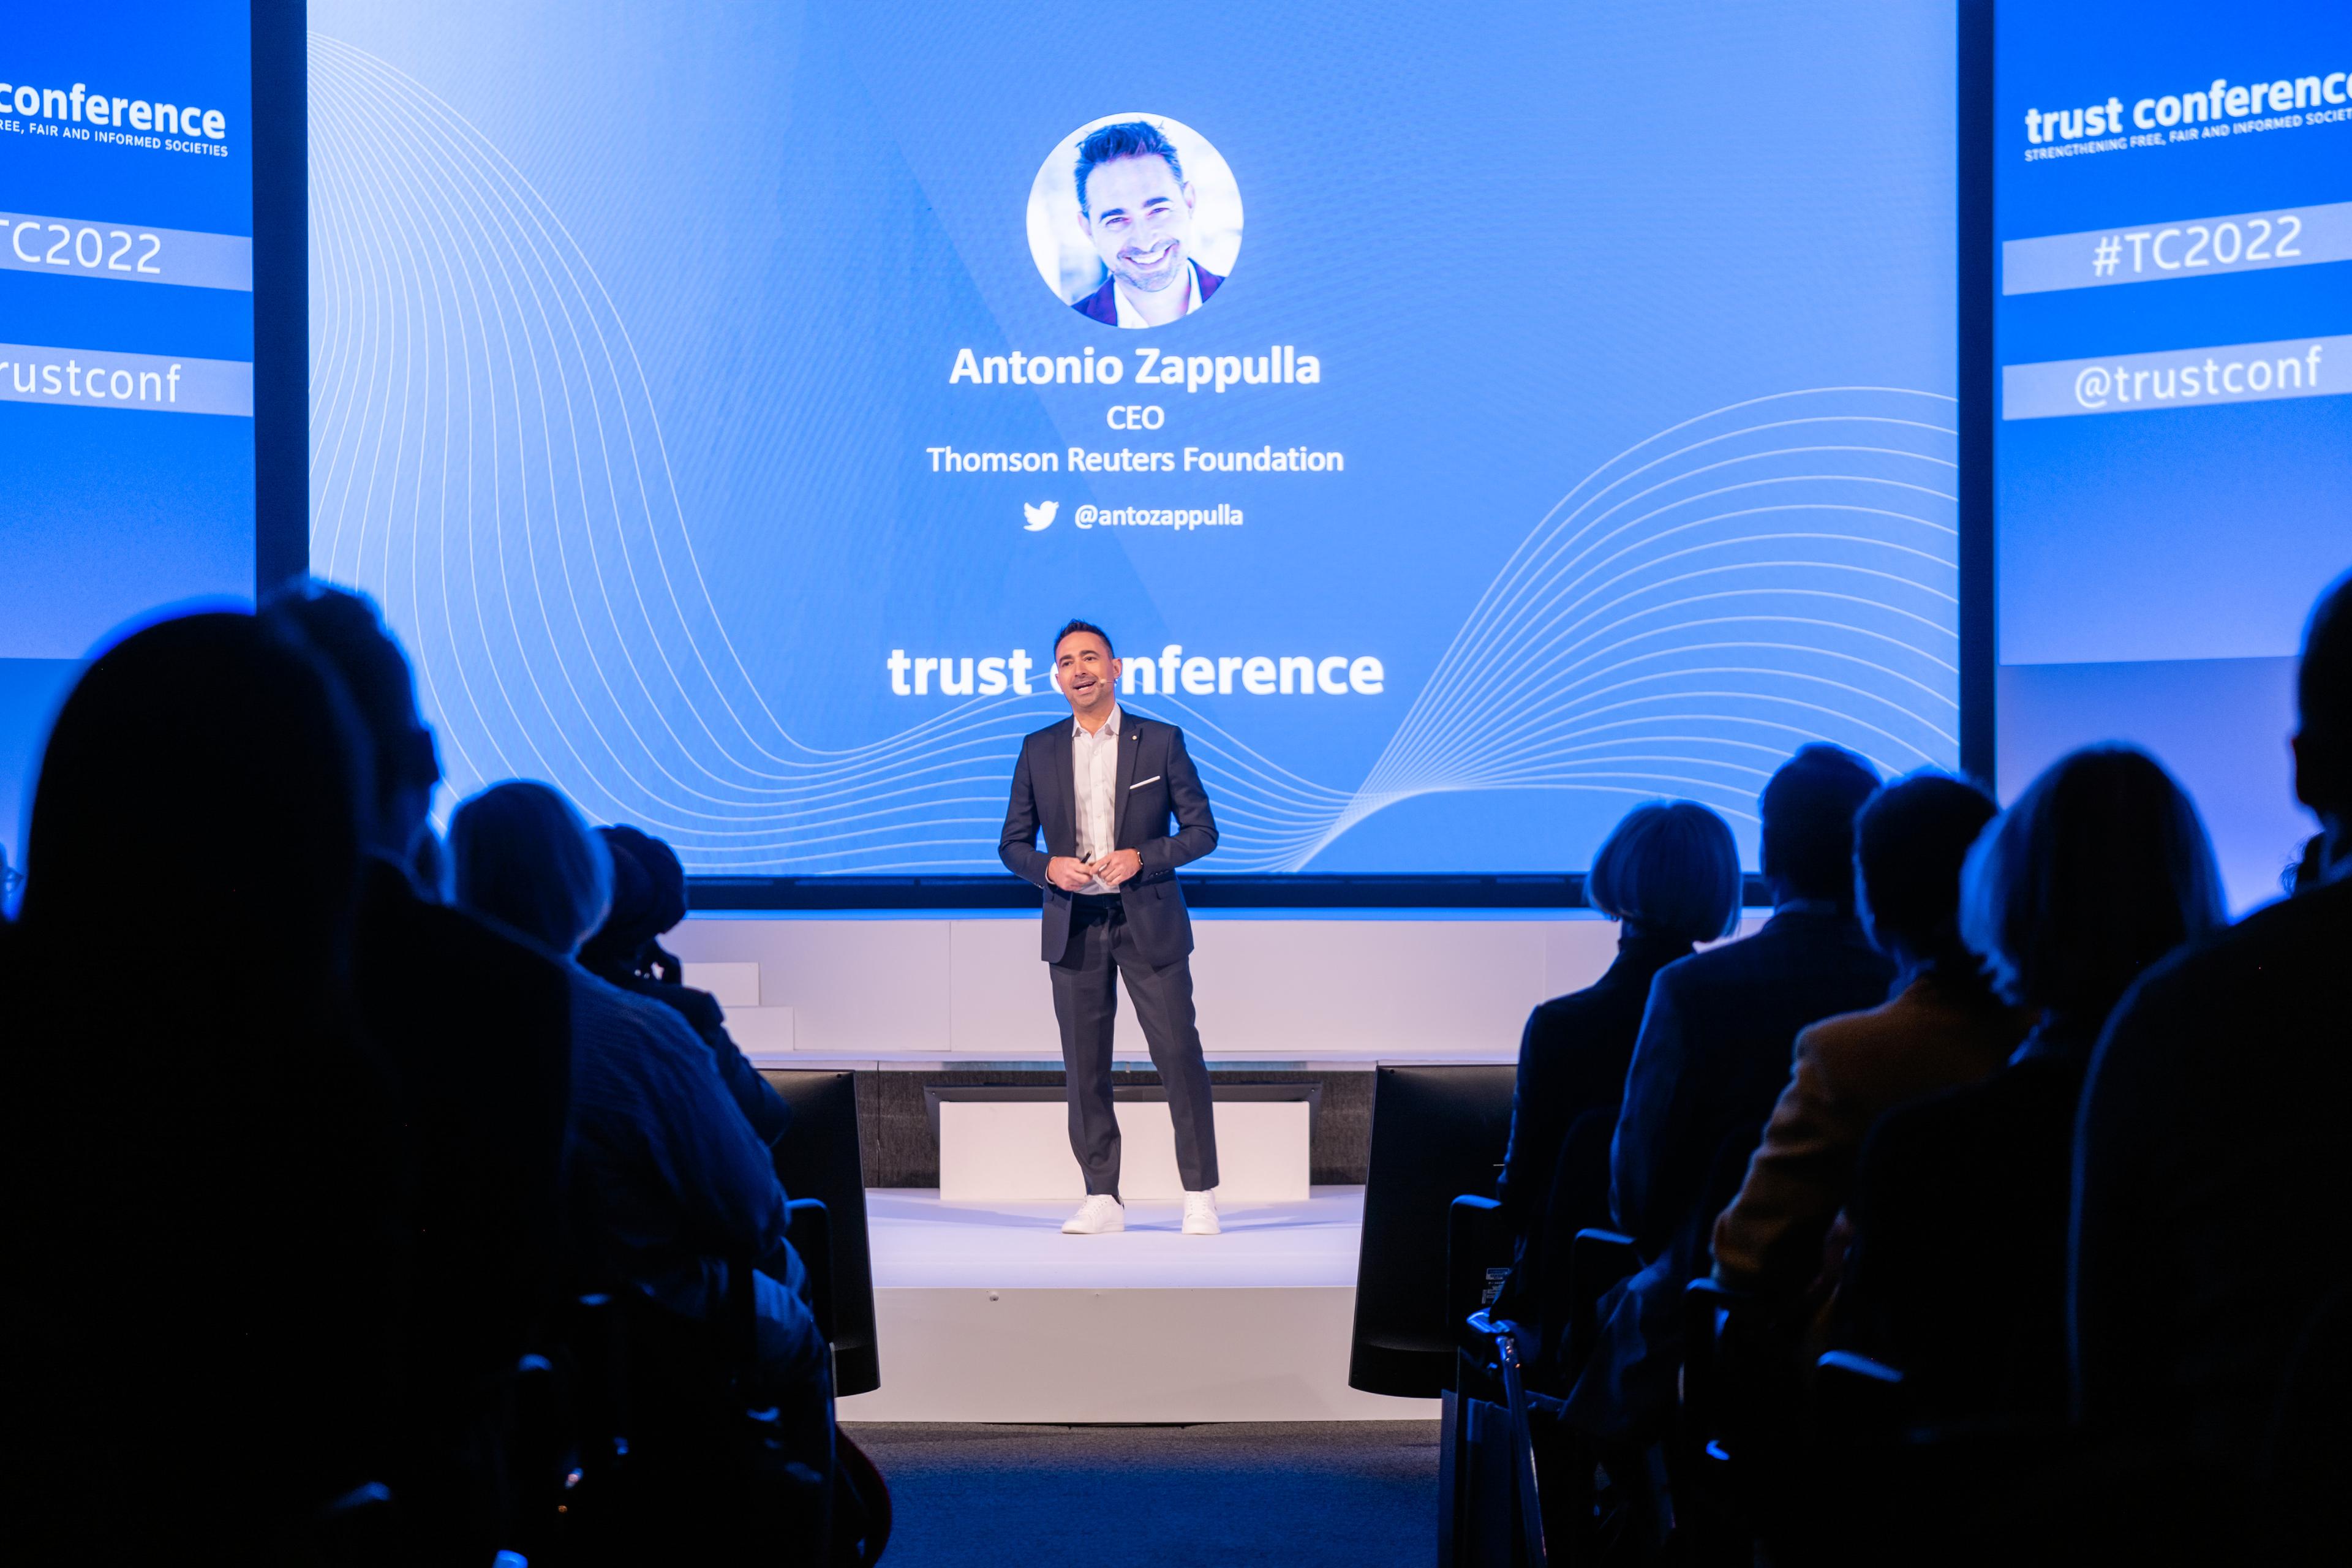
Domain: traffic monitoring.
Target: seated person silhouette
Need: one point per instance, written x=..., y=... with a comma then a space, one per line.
x=1713, y=1055
x=648, y=899
x=473, y=1029
x=1943, y=1028
x=203, y=1186
x=668, y=1184
x=2211, y=1154
x=1958, y=1212
x=1669, y=875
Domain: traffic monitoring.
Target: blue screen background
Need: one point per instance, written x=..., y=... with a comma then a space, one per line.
x=2155, y=567
x=109, y=513
x=631, y=326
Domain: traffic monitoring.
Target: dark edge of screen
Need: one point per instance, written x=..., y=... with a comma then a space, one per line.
x=749, y=895
x=1976, y=278
x=282, y=298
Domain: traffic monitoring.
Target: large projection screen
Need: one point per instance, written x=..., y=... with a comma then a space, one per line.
x=150, y=456
x=2172, y=207
x=727, y=402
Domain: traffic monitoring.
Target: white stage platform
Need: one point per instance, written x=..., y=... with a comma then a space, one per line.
x=989, y=1313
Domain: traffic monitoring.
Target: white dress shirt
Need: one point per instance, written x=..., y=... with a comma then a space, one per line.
x=1093, y=778
x=1129, y=316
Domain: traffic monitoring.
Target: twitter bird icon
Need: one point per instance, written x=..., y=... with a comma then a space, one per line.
x=1041, y=517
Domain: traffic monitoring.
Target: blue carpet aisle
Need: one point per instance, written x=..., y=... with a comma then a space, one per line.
x=1358, y=1493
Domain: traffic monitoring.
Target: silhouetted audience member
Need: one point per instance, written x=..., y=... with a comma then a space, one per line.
x=1943, y=1029
x=668, y=1186
x=1958, y=1268
x=648, y=899
x=2210, y=1154
x=1713, y=1055
x=203, y=1184
x=1669, y=874
x=475, y=1028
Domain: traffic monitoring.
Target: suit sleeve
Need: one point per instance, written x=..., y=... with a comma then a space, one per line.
x=755, y=1096
x=1644, y=1192
x=1017, y=845
x=1196, y=828
x=1770, y=1236
x=725, y=1183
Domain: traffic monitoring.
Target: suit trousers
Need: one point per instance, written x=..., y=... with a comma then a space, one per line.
x=1085, y=1003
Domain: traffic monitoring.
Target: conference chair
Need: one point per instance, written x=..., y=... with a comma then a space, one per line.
x=1711, y=1460
x=1912, y=1486
x=1498, y=1449
x=818, y=1157
x=1597, y=1260
x=2311, y=1443
x=1494, y=1507
x=1437, y=1132
x=1476, y=1488
x=653, y=1447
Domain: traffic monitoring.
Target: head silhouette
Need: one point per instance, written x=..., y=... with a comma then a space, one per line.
x=2100, y=868
x=522, y=856
x=198, y=807
x=194, y=869
x=648, y=898
x=1670, y=868
x=1910, y=840
x=2323, y=741
x=350, y=637
x=1808, y=810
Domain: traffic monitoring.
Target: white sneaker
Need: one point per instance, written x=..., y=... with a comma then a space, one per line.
x=1099, y=1215
x=1200, y=1214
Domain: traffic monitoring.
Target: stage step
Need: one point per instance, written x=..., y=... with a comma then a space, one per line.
x=989, y=1313
x=1014, y=1148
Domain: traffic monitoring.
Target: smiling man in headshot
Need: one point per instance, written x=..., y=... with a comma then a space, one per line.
x=1137, y=207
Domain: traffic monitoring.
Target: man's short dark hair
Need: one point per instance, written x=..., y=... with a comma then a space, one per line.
x=1910, y=840
x=1127, y=138
x=346, y=631
x=1077, y=626
x=1808, y=810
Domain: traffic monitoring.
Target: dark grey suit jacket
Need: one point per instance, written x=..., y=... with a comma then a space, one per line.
x=1155, y=782
x=1717, y=1043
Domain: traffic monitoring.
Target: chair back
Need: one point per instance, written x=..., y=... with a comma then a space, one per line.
x=678, y=1456
x=1597, y=1259
x=1477, y=1259
x=818, y=1157
x=1437, y=1132
x=2310, y=1451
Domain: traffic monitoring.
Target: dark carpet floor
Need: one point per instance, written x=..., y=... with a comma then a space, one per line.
x=1303, y=1494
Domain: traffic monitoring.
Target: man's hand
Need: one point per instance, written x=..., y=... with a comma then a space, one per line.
x=1119, y=867
x=1068, y=873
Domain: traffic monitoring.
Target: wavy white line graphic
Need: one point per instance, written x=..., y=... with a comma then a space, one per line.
x=488, y=462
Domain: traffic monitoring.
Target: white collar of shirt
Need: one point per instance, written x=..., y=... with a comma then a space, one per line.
x=1110, y=726
x=1129, y=316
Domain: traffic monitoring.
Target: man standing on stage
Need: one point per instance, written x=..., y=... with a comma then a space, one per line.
x=1103, y=786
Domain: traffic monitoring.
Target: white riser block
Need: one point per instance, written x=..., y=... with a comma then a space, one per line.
x=1019, y=1152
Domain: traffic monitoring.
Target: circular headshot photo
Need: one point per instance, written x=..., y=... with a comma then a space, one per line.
x=1135, y=220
